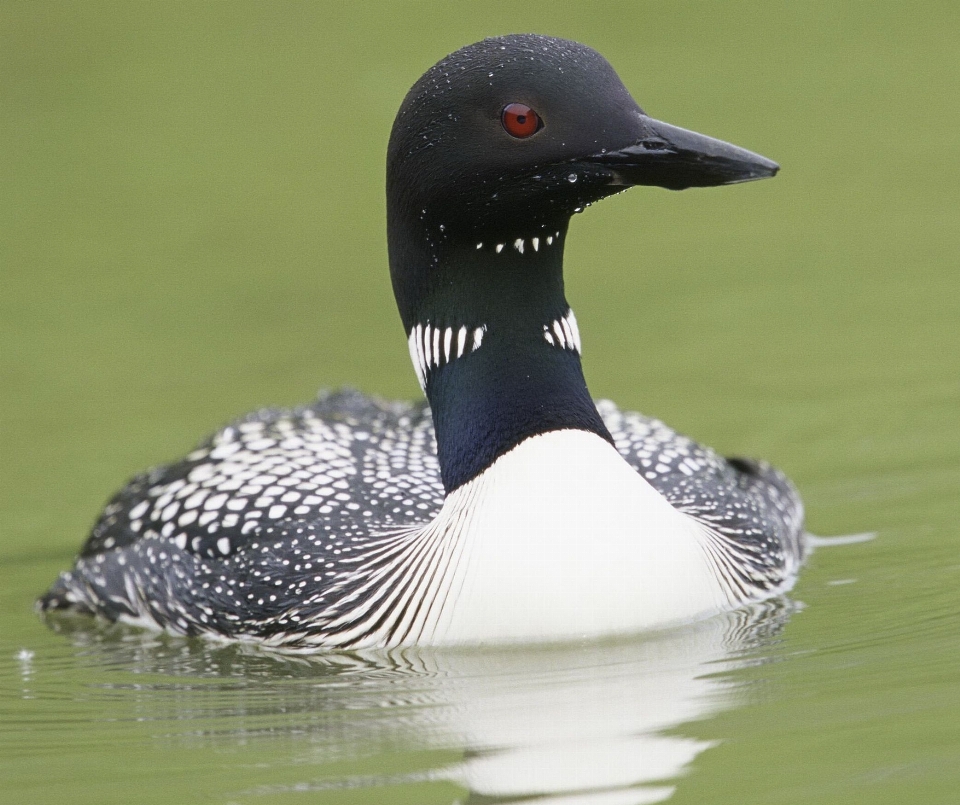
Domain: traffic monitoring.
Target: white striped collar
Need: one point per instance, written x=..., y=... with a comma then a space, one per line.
x=432, y=346
x=563, y=332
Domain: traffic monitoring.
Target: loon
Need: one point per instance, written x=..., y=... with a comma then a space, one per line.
x=507, y=506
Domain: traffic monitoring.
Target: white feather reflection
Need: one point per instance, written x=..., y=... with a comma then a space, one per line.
x=586, y=725
x=591, y=724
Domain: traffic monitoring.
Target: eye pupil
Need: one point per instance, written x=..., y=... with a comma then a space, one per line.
x=520, y=121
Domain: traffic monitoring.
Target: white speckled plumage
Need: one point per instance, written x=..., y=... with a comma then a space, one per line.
x=357, y=473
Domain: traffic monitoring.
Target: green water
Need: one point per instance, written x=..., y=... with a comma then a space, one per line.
x=192, y=227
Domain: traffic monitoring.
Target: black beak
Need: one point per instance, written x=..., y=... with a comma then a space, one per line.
x=675, y=158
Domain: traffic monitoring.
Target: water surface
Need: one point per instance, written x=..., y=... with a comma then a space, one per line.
x=193, y=227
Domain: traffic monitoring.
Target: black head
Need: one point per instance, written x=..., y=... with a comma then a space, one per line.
x=467, y=163
x=492, y=151
x=452, y=154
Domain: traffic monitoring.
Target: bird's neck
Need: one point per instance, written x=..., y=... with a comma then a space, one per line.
x=494, y=343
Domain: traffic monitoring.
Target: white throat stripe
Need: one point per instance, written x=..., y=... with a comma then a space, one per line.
x=563, y=333
x=431, y=347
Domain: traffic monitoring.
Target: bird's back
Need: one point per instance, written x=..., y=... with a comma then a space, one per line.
x=257, y=531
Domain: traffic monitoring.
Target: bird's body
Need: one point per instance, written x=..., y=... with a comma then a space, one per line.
x=513, y=507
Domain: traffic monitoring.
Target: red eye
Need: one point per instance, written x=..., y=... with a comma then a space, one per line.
x=520, y=121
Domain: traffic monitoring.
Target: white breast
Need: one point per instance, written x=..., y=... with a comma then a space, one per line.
x=560, y=538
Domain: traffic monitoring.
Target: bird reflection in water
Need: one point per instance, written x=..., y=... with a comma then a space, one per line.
x=597, y=723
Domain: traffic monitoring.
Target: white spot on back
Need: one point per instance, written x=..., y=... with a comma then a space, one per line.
x=215, y=502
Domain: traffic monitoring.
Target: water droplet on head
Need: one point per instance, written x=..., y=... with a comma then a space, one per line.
x=572, y=178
